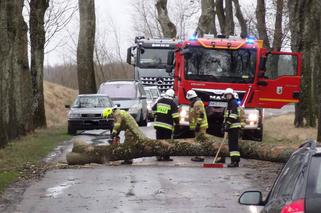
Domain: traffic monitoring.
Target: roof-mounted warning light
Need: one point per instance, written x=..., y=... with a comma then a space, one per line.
x=193, y=37
x=250, y=40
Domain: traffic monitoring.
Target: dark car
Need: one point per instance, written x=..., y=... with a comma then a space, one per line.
x=129, y=96
x=297, y=188
x=86, y=113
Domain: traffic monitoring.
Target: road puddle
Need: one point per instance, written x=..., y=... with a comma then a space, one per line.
x=55, y=191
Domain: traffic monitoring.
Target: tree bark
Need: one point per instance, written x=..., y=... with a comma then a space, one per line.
x=205, y=145
x=230, y=26
x=240, y=18
x=37, y=39
x=261, y=23
x=85, y=49
x=221, y=15
x=319, y=122
x=278, y=35
x=15, y=81
x=168, y=28
x=306, y=30
x=206, y=22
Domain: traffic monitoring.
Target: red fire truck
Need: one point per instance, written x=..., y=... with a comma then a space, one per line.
x=260, y=78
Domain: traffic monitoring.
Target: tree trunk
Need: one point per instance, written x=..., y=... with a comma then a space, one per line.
x=15, y=91
x=319, y=122
x=240, y=18
x=278, y=35
x=37, y=40
x=261, y=23
x=306, y=30
x=229, y=27
x=206, y=23
x=221, y=15
x=168, y=28
x=83, y=153
x=85, y=49
x=137, y=145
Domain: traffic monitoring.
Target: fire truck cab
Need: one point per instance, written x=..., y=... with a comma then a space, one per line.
x=260, y=78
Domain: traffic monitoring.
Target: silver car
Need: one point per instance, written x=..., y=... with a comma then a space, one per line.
x=86, y=113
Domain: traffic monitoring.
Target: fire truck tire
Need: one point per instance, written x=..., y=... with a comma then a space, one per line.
x=255, y=134
x=143, y=121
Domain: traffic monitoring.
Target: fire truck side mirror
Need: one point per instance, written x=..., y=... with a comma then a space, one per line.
x=129, y=55
x=170, y=58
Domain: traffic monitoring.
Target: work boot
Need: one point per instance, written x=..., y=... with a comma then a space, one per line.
x=128, y=162
x=233, y=164
x=220, y=160
x=167, y=158
x=197, y=159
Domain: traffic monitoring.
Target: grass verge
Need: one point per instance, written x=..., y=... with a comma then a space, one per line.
x=26, y=152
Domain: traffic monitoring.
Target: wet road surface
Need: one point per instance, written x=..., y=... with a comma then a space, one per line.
x=145, y=186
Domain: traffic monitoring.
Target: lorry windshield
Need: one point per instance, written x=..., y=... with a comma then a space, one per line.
x=153, y=57
x=220, y=65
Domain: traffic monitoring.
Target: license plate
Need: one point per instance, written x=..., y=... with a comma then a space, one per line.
x=217, y=104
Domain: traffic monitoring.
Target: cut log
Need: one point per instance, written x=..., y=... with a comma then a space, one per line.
x=136, y=146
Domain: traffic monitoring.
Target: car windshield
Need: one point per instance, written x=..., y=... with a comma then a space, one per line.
x=233, y=66
x=153, y=57
x=92, y=102
x=154, y=92
x=119, y=91
x=314, y=186
x=148, y=94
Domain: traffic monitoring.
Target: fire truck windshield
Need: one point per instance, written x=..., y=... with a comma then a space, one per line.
x=220, y=65
x=153, y=57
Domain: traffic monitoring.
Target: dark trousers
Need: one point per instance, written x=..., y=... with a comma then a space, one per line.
x=233, y=144
x=162, y=133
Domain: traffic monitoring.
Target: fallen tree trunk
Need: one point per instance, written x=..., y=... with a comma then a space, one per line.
x=137, y=146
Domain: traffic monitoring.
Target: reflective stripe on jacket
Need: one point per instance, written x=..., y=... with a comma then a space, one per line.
x=166, y=113
x=232, y=114
x=197, y=115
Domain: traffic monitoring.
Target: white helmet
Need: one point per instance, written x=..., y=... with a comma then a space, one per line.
x=191, y=94
x=229, y=91
x=170, y=93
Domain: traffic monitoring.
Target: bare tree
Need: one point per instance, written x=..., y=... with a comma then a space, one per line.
x=206, y=23
x=261, y=23
x=85, y=49
x=221, y=15
x=15, y=91
x=168, y=28
x=37, y=41
x=229, y=21
x=240, y=18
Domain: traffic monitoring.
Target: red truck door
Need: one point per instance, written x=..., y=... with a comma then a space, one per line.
x=279, y=84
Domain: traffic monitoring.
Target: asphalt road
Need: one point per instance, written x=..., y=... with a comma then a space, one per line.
x=145, y=186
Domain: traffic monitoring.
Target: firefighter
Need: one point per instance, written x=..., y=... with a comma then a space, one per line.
x=166, y=115
x=197, y=117
x=122, y=121
x=232, y=125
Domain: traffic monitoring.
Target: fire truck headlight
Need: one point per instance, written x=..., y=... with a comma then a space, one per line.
x=253, y=117
x=184, y=114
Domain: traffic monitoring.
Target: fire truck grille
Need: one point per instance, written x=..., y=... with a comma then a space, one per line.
x=162, y=83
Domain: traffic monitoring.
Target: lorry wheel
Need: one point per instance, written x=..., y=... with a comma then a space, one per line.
x=255, y=134
x=142, y=121
x=71, y=130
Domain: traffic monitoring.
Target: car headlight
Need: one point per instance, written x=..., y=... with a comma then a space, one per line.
x=74, y=115
x=149, y=107
x=135, y=108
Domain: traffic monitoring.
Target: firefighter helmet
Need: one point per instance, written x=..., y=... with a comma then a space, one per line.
x=107, y=112
x=229, y=91
x=170, y=93
x=191, y=94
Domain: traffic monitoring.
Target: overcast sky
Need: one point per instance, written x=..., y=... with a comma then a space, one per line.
x=117, y=12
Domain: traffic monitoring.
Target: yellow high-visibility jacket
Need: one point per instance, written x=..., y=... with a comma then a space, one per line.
x=197, y=115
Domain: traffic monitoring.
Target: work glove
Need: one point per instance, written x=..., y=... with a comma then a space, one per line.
x=225, y=127
x=116, y=139
x=197, y=128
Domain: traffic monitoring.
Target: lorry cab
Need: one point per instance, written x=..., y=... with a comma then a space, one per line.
x=149, y=57
x=261, y=79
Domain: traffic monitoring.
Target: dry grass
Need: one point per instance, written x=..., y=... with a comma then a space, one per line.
x=281, y=128
x=56, y=97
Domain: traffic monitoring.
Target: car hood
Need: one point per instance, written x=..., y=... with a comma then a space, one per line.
x=125, y=104
x=87, y=110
